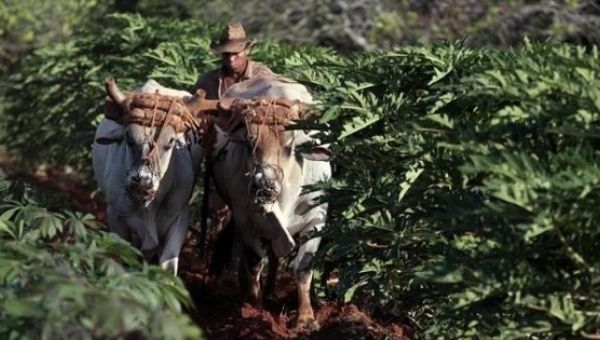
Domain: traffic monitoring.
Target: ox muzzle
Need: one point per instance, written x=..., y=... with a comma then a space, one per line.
x=265, y=184
x=141, y=185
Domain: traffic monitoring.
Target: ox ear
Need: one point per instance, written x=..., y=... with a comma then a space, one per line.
x=318, y=153
x=115, y=135
x=309, y=148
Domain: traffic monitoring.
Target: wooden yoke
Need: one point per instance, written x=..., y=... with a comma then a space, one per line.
x=264, y=110
x=199, y=105
x=153, y=109
x=198, y=112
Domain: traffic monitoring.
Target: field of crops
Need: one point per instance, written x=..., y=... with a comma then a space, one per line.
x=465, y=193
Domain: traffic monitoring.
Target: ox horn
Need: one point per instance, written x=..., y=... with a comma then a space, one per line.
x=113, y=91
x=198, y=105
x=306, y=111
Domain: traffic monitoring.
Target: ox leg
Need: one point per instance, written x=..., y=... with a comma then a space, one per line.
x=144, y=227
x=251, y=266
x=303, y=274
x=219, y=211
x=272, y=274
x=118, y=226
x=174, y=239
x=223, y=249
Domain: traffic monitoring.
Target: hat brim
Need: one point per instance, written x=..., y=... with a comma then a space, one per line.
x=230, y=46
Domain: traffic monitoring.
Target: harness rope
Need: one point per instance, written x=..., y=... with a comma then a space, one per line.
x=151, y=156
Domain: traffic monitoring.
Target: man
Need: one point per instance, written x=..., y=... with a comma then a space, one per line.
x=234, y=48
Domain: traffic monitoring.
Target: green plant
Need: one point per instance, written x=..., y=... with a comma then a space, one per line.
x=62, y=277
x=465, y=186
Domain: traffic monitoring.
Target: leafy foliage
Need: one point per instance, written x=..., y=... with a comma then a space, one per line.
x=346, y=25
x=359, y=25
x=465, y=179
x=465, y=186
x=25, y=24
x=65, y=80
x=61, y=277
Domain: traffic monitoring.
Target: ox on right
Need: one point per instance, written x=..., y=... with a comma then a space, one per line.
x=259, y=171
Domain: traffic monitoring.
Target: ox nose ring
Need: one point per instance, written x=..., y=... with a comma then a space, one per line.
x=258, y=177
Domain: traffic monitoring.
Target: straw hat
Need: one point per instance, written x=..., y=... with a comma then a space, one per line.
x=233, y=40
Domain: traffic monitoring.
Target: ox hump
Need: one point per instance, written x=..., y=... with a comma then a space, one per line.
x=152, y=86
x=278, y=86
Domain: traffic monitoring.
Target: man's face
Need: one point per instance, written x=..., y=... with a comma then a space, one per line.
x=235, y=62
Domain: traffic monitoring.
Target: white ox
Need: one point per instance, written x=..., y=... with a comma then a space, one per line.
x=147, y=175
x=259, y=172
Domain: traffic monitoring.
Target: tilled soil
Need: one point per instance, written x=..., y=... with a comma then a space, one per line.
x=221, y=313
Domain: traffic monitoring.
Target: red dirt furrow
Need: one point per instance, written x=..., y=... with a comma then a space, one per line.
x=79, y=193
x=222, y=315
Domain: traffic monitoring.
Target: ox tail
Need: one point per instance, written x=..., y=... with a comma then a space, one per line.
x=223, y=250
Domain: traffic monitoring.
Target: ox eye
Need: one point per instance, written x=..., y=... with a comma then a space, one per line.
x=169, y=144
x=288, y=148
x=250, y=142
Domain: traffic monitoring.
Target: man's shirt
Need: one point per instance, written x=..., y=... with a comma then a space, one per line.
x=212, y=82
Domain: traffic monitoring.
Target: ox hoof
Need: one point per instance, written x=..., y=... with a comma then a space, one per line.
x=307, y=322
x=170, y=265
x=254, y=301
